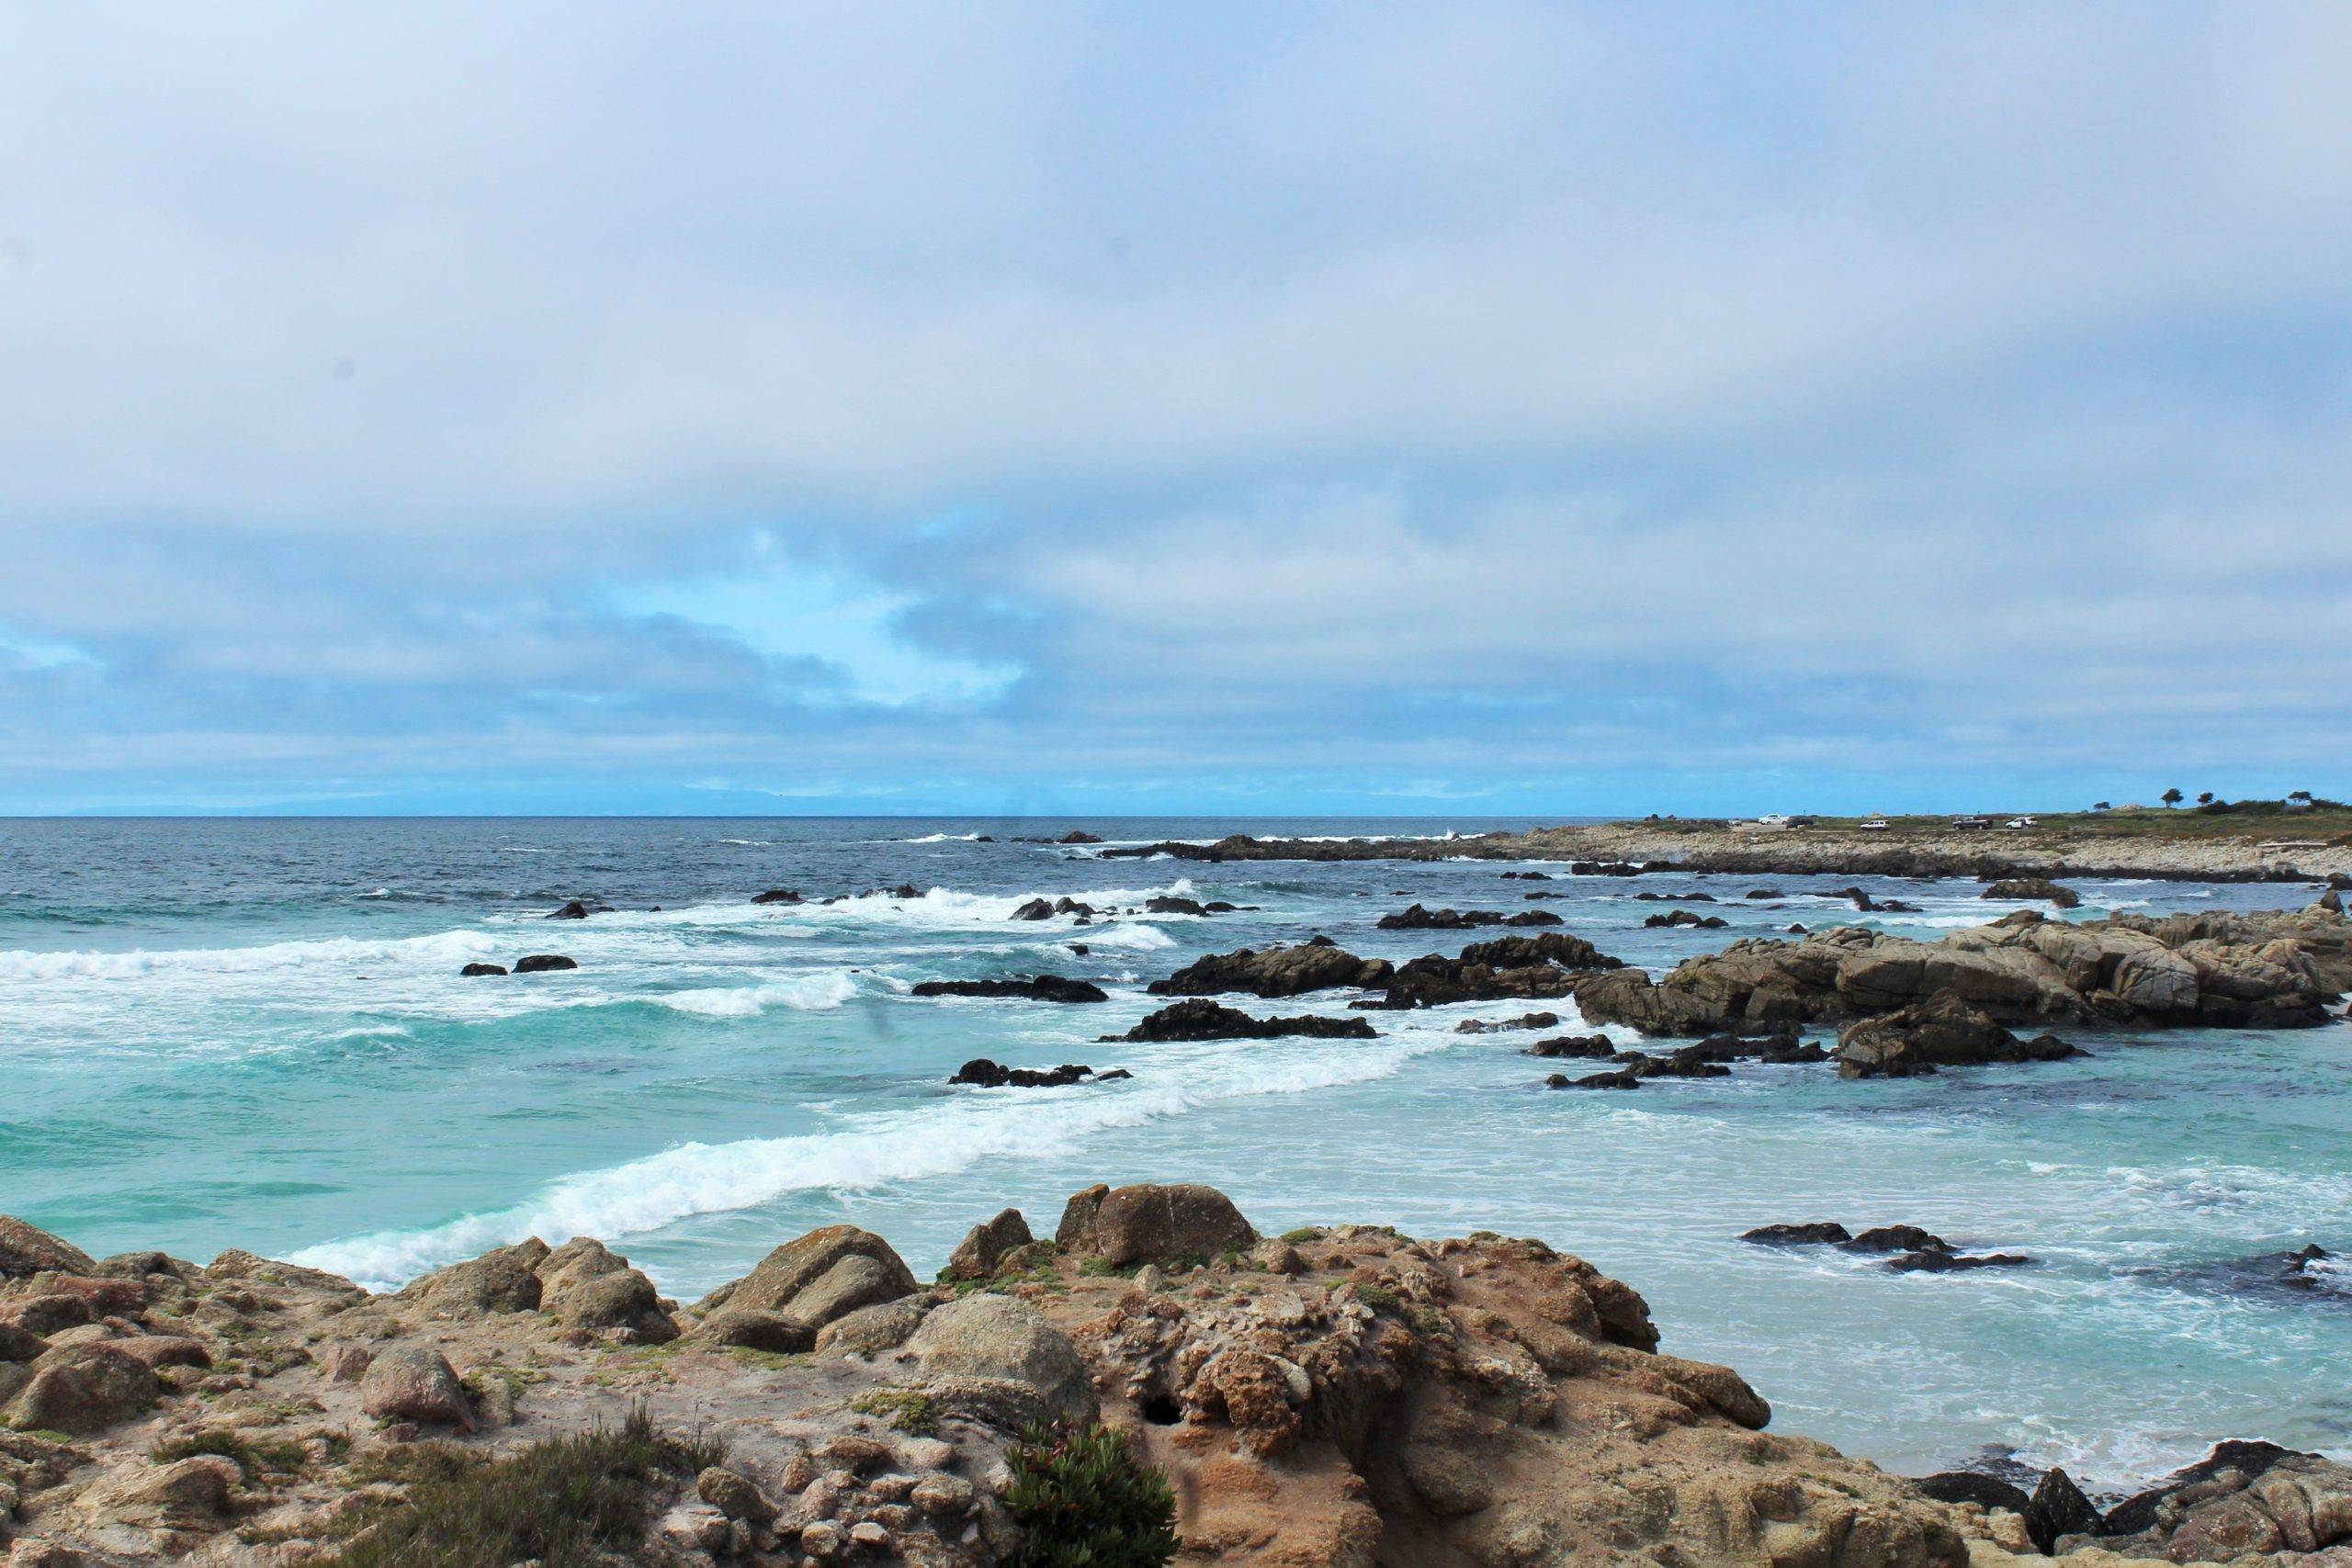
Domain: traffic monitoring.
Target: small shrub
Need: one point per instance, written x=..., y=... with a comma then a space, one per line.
x=564, y=1503
x=1304, y=1233
x=1084, y=1500
x=282, y=1456
x=909, y=1409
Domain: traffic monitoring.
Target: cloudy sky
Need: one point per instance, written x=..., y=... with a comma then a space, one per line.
x=1322, y=407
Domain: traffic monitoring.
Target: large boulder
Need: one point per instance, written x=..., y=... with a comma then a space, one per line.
x=991, y=1335
x=1035, y=988
x=793, y=1267
x=1197, y=1017
x=2241, y=1502
x=26, y=1250
x=1175, y=1225
x=1545, y=965
x=1942, y=1031
x=587, y=1285
x=855, y=1281
x=2033, y=888
x=504, y=1280
x=82, y=1389
x=412, y=1382
x=1314, y=965
x=976, y=1256
x=872, y=1329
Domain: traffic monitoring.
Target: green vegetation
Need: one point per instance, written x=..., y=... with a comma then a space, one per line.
x=909, y=1409
x=1084, y=1500
x=2301, y=816
x=563, y=1503
x=281, y=1456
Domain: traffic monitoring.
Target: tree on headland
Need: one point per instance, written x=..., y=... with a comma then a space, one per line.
x=2206, y=798
x=2102, y=806
x=2302, y=794
x=2171, y=797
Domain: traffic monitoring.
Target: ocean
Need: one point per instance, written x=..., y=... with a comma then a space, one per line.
x=253, y=1034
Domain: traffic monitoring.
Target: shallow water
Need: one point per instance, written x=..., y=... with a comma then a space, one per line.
x=253, y=1034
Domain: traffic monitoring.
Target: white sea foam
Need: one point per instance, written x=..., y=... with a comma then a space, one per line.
x=818, y=992
x=865, y=1150
x=443, y=947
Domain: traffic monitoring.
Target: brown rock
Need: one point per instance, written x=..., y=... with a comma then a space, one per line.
x=750, y=1329
x=733, y=1494
x=414, y=1384
x=503, y=1280
x=82, y=1389
x=792, y=1267
x=976, y=1256
x=25, y=1250
x=994, y=1337
x=1153, y=1224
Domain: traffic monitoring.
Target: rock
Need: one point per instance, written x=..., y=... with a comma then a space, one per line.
x=1620, y=1079
x=82, y=1389
x=1078, y=836
x=1938, y=1262
x=1416, y=917
x=873, y=1329
x=1941, y=1032
x=2331, y=901
x=25, y=1250
x=20, y=1344
x=1542, y=966
x=1034, y=910
x=1588, y=1047
x=412, y=1382
x=854, y=1281
x=1152, y=1225
x=586, y=1285
x=575, y=910
x=1896, y=1238
x=1524, y=1021
x=1812, y=1234
x=733, y=1494
x=505, y=1280
x=2033, y=888
x=990, y=1335
x=976, y=1256
x=1765, y=893
x=155, y=1351
x=793, y=1267
x=1685, y=918
x=1039, y=987
x=986, y=1074
x=2278, y=1276
x=2059, y=1509
x=1987, y=1492
x=1200, y=1019
x=475, y=971
x=779, y=896
x=1275, y=972
x=1167, y=904
x=543, y=964
x=2241, y=1500
x=754, y=1328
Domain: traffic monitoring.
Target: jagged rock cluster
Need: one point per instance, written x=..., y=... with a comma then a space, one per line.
x=1332, y=1398
x=1528, y=967
x=2281, y=970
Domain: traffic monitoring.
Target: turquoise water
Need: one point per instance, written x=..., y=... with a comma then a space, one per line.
x=255, y=1034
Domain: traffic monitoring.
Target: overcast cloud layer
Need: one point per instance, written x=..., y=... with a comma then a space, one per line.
x=1519, y=409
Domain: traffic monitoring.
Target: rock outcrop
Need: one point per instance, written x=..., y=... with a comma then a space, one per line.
x=2033, y=888
x=1316, y=965
x=1035, y=988
x=1197, y=1017
x=2278, y=970
x=1414, y=918
x=1941, y=1032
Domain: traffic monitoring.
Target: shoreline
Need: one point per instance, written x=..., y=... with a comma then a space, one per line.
x=1332, y=1397
x=1988, y=854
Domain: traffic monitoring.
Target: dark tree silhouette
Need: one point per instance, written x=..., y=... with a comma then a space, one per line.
x=2171, y=797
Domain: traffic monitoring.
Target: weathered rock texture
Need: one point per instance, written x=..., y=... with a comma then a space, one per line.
x=2214, y=971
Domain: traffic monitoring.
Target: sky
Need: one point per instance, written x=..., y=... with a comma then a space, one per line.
x=1356, y=408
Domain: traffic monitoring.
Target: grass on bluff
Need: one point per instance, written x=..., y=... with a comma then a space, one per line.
x=2322, y=821
x=562, y=1502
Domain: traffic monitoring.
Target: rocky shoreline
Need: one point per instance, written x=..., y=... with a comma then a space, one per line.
x=1337, y=1395
x=1635, y=848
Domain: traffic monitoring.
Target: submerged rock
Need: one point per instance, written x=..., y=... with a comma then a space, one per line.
x=1511, y=966
x=1200, y=1019
x=779, y=896
x=473, y=971
x=1038, y=987
x=1416, y=917
x=2039, y=887
x=1685, y=918
x=985, y=1074
x=1524, y=1021
x=1815, y=1233
x=543, y=964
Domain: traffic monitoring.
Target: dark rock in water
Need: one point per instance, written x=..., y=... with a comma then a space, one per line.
x=1079, y=836
x=575, y=910
x=1815, y=1233
x=1529, y=966
x=1035, y=910
x=1796, y=930
x=1766, y=892
x=1165, y=904
x=1896, y=1238
x=2059, y=1509
x=1936, y=1262
x=1524, y=1021
x=1591, y=1047
x=1941, y=1032
x=1219, y=907
x=1067, y=905
x=1594, y=1081
x=1987, y=1492
x=1080, y=949
x=1683, y=1063
x=1416, y=917
x=985, y=1074
x=2229, y=1469
x=1113, y=1075
x=778, y=896
x=543, y=963
x=2037, y=887
x=1602, y=868
x=1038, y=987
x=2276, y=1276
x=903, y=890
x=1539, y=893
x=1527, y=876
x=1313, y=966
x=471, y=970
x=1200, y=1019
x=1685, y=918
